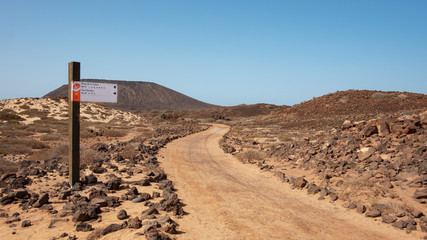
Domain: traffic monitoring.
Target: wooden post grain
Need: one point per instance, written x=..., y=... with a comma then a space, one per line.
x=74, y=124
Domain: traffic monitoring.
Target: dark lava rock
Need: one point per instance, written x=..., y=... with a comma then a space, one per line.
x=145, y=196
x=90, y=179
x=155, y=195
x=43, y=199
x=111, y=228
x=134, y=223
x=168, y=225
x=388, y=219
x=97, y=169
x=133, y=191
x=122, y=215
x=8, y=199
x=84, y=227
x=96, y=193
x=85, y=215
x=22, y=194
x=401, y=224
x=113, y=184
x=361, y=208
x=102, y=202
x=154, y=234
x=19, y=182
x=313, y=189
x=152, y=210
x=373, y=213
x=63, y=195
x=12, y=219
x=26, y=223
x=299, y=182
x=417, y=214
x=420, y=194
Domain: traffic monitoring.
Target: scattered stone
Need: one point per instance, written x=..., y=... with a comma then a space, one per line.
x=299, y=182
x=388, y=219
x=83, y=227
x=43, y=199
x=85, y=215
x=122, y=215
x=361, y=208
x=26, y=223
x=12, y=220
x=134, y=223
x=111, y=228
x=137, y=200
x=417, y=214
x=373, y=213
x=401, y=224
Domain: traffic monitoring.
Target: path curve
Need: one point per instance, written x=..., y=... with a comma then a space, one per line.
x=226, y=199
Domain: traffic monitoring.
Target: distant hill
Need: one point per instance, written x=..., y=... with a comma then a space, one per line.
x=332, y=109
x=143, y=96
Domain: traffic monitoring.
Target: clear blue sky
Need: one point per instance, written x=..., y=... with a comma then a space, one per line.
x=221, y=52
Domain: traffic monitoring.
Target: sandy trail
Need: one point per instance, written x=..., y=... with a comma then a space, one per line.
x=226, y=199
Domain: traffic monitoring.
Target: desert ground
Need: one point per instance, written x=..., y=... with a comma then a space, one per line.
x=348, y=165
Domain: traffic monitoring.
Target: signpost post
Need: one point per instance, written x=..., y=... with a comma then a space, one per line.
x=74, y=123
x=85, y=92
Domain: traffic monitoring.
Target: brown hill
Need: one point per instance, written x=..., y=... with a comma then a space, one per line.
x=332, y=109
x=143, y=96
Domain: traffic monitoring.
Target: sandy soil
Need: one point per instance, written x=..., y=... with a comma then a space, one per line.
x=226, y=199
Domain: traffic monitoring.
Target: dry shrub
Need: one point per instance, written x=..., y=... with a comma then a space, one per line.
x=15, y=133
x=51, y=137
x=363, y=186
x=8, y=116
x=7, y=166
x=285, y=138
x=20, y=146
x=87, y=156
x=250, y=156
x=114, y=133
x=60, y=152
x=85, y=133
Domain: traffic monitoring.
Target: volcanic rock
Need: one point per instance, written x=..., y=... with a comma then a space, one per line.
x=122, y=214
x=299, y=182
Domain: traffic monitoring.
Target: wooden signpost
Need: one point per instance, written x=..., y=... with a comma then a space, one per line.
x=86, y=92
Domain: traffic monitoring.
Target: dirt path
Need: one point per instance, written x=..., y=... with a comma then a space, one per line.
x=226, y=199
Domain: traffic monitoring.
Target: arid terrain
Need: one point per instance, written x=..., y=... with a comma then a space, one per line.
x=347, y=165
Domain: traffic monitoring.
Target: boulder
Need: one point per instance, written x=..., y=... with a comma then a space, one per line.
x=122, y=214
x=134, y=223
x=370, y=129
x=26, y=223
x=83, y=227
x=43, y=199
x=383, y=127
x=111, y=228
x=388, y=219
x=299, y=182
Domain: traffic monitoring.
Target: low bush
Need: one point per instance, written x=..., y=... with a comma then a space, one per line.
x=20, y=146
x=7, y=166
x=250, y=156
x=114, y=133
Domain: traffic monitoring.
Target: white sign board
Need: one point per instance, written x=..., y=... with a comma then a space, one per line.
x=94, y=92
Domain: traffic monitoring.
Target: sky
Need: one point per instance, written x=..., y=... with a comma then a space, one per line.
x=224, y=52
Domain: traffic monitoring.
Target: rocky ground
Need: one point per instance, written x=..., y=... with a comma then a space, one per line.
x=376, y=166
x=365, y=151
x=123, y=193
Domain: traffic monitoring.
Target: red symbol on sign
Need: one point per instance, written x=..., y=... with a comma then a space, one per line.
x=76, y=86
x=76, y=92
